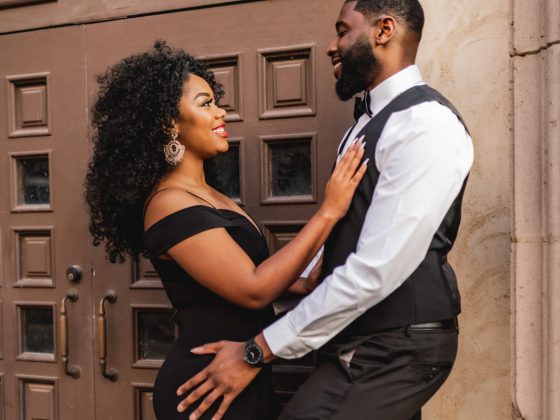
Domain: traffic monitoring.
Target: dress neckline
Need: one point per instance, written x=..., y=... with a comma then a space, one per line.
x=245, y=216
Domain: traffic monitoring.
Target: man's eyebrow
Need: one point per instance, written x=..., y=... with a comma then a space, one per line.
x=202, y=94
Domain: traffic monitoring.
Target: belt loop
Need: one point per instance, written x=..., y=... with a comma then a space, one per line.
x=407, y=330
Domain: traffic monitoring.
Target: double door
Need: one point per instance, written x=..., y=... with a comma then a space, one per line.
x=81, y=337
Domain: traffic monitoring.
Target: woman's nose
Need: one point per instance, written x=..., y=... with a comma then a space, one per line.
x=221, y=113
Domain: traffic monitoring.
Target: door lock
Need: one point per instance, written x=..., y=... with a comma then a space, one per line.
x=74, y=273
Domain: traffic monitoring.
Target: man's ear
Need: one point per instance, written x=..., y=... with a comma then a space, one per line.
x=384, y=29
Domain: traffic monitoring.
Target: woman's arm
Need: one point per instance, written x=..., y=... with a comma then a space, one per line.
x=217, y=262
x=305, y=285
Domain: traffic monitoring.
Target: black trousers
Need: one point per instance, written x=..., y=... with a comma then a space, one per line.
x=390, y=376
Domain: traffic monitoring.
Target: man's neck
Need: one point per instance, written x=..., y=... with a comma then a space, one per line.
x=387, y=72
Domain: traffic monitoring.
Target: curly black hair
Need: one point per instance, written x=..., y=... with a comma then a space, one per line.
x=137, y=103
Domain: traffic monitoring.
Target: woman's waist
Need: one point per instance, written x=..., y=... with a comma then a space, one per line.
x=214, y=322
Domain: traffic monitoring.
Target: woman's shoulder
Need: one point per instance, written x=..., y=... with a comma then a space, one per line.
x=171, y=219
x=165, y=202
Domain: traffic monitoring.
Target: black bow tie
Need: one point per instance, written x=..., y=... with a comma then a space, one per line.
x=361, y=106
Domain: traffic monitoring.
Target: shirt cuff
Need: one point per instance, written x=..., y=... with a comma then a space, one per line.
x=283, y=340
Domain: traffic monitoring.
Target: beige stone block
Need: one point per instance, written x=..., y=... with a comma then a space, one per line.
x=527, y=147
x=536, y=25
x=552, y=331
x=552, y=139
x=552, y=20
x=527, y=325
x=528, y=25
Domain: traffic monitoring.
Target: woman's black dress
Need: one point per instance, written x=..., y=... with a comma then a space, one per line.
x=203, y=316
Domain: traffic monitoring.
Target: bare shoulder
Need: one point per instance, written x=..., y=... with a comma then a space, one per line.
x=167, y=202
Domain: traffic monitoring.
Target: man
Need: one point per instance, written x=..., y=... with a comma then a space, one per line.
x=385, y=313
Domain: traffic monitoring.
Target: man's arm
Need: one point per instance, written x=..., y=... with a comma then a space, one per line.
x=423, y=157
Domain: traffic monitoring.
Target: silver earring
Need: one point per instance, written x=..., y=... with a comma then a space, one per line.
x=174, y=150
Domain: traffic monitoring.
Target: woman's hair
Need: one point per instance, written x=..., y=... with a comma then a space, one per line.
x=137, y=104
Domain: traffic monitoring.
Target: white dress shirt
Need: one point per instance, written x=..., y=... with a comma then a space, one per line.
x=423, y=156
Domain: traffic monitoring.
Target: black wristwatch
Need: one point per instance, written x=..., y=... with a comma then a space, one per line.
x=253, y=354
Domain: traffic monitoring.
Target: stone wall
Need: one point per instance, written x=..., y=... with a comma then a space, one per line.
x=536, y=218
x=466, y=54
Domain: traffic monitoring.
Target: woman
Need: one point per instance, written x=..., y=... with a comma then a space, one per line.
x=157, y=121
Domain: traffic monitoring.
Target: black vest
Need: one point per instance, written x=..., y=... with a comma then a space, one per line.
x=430, y=293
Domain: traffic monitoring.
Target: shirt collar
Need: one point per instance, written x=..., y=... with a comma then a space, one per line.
x=389, y=89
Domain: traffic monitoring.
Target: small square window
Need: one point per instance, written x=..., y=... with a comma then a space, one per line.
x=33, y=174
x=223, y=172
x=36, y=332
x=155, y=334
x=290, y=168
x=31, y=182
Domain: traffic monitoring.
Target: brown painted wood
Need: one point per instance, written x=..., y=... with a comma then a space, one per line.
x=38, y=243
x=284, y=91
x=21, y=15
x=270, y=57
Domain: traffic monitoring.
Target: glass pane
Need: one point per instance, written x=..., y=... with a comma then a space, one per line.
x=38, y=330
x=34, y=180
x=290, y=168
x=223, y=172
x=156, y=333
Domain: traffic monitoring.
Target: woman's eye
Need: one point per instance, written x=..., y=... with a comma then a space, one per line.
x=207, y=103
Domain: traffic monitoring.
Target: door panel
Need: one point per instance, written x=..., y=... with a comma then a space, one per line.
x=43, y=228
x=284, y=121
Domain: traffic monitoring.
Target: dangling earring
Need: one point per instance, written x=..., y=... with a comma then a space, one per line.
x=174, y=150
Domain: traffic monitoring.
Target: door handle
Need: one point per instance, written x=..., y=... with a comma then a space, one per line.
x=73, y=371
x=109, y=373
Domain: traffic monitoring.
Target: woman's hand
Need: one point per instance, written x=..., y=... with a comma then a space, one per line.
x=343, y=181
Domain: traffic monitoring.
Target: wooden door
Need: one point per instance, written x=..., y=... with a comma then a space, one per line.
x=285, y=123
x=43, y=228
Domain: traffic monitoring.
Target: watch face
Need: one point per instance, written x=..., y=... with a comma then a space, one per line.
x=253, y=354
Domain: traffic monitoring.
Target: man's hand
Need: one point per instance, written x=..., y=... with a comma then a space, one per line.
x=227, y=375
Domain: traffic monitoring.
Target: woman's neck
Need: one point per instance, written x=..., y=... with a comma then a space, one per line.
x=189, y=173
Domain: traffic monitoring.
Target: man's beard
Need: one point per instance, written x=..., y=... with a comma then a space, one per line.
x=358, y=66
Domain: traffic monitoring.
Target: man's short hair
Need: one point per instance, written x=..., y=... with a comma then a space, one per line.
x=410, y=11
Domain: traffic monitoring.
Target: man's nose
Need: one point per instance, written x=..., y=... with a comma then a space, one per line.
x=332, y=49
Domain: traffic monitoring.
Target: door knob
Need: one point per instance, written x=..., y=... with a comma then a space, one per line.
x=74, y=273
